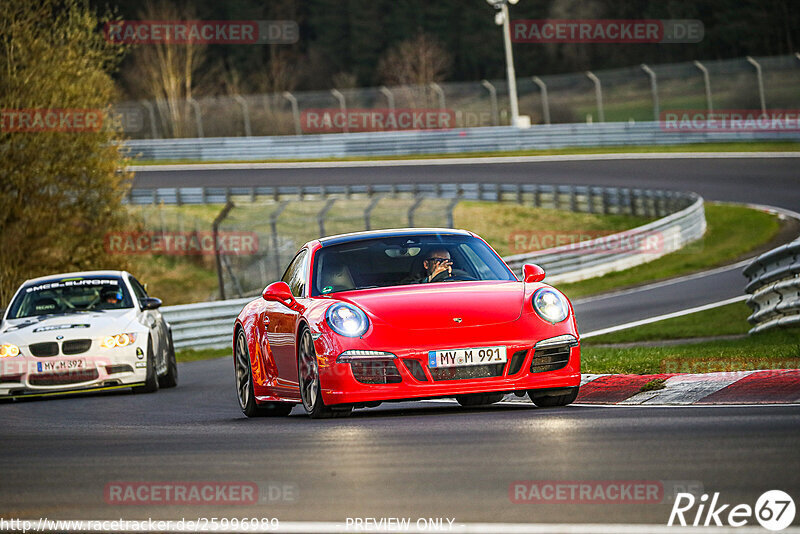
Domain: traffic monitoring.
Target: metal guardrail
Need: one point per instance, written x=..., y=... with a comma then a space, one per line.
x=774, y=285
x=203, y=324
x=455, y=141
x=682, y=221
x=588, y=259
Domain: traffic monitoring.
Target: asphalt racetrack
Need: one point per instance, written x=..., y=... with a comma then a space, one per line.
x=429, y=459
x=424, y=459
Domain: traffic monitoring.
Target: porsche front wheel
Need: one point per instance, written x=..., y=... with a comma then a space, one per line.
x=551, y=398
x=308, y=377
x=244, y=385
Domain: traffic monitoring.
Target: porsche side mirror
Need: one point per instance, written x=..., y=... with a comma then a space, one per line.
x=277, y=291
x=532, y=273
x=151, y=303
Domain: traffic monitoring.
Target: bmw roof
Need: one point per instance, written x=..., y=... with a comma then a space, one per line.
x=394, y=232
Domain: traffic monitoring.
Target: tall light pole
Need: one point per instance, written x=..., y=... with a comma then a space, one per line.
x=501, y=18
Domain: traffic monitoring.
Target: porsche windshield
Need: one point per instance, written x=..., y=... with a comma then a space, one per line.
x=393, y=261
x=67, y=295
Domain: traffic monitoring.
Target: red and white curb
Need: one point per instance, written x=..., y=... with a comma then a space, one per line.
x=774, y=386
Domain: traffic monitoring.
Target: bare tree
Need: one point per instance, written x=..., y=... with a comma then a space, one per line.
x=166, y=73
x=417, y=63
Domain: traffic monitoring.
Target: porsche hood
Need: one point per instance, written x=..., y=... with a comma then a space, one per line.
x=427, y=306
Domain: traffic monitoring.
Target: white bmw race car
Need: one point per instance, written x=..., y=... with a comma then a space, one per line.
x=79, y=331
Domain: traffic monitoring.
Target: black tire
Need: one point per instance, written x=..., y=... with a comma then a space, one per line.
x=151, y=378
x=170, y=379
x=479, y=399
x=549, y=401
x=243, y=375
x=310, y=388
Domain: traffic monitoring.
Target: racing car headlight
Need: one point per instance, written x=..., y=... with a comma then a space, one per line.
x=347, y=320
x=7, y=350
x=119, y=340
x=550, y=305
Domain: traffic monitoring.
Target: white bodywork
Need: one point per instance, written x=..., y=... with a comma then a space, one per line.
x=76, y=366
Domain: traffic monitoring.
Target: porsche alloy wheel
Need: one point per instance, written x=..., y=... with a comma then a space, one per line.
x=308, y=377
x=244, y=385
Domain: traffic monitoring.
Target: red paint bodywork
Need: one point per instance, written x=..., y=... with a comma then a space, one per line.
x=407, y=321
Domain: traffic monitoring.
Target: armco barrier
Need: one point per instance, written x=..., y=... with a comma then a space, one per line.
x=209, y=324
x=774, y=285
x=571, y=263
x=456, y=141
x=203, y=324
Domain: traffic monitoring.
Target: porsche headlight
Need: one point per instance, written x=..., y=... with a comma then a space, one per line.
x=7, y=350
x=119, y=340
x=347, y=320
x=551, y=305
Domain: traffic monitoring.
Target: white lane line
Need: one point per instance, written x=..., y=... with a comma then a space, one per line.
x=671, y=281
x=459, y=161
x=664, y=317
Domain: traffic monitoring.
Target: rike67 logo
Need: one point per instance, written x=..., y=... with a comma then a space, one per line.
x=774, y=510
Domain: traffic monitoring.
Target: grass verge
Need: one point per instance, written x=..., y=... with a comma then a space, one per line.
x=773, y=349
x=733, y=231
x=727, y=320
x=193, y=355
x=766, y=146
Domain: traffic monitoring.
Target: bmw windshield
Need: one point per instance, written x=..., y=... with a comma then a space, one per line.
x=68, y=295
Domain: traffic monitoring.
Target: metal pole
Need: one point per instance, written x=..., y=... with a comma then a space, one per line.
x=545, y=101
x=342, y=106
x=385, y=91
x=197, y=118
x=493, y=98
x=295, y=112
x=756, y=64
x=512, y=78
x=321, y=215
x=451, y=206
x=653, y=89
x=273, y=223
x=245, y=113
x=215, y=232
x=413, y=208
x=373, y=203
x=438, y=90
x=152, y=113
x=598, y=91
x=707, y=83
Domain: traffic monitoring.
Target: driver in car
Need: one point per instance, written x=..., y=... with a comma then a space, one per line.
x=438, y=266
x=109, y=298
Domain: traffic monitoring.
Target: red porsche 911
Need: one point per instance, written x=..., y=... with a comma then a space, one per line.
x=391, y=315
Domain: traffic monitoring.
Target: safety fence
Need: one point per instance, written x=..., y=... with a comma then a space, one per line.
x=630, y=94
x=680, y=220
x=774, y=288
